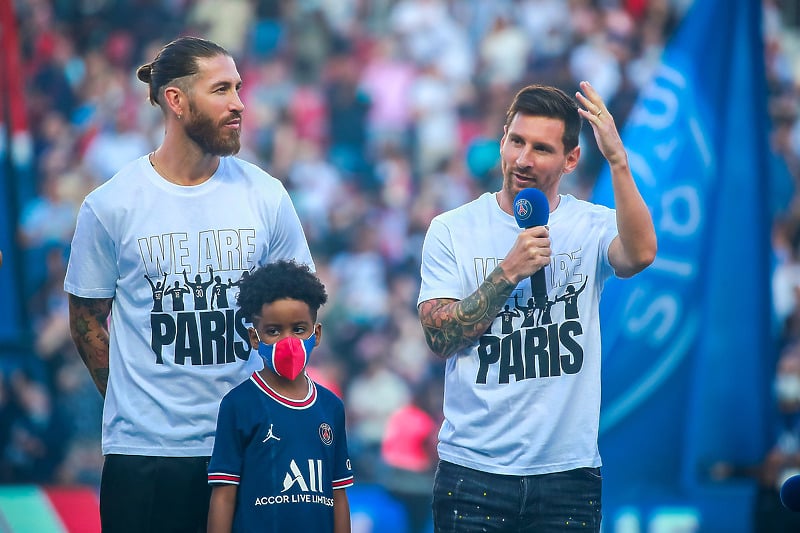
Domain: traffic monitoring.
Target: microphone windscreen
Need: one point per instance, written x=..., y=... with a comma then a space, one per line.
x=531, y=208
x=790, y=493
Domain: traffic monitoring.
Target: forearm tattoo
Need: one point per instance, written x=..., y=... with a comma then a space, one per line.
x=451, y=325
x=87, y=319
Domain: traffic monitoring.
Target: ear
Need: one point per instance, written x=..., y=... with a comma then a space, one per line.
x=503, y=138
x=318, y=333
x=572, y=160
x=174, y=98
x=253, y=338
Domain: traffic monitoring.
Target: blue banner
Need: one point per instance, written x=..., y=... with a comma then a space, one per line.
x=15, y=161
x=687, y=353
x=10, y=298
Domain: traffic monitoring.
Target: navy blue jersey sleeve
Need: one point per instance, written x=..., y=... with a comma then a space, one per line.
x=343, y=470
x=225, y=466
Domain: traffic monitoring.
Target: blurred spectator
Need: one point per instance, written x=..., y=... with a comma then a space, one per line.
x=348, y=107
x=783, y=460
x=435, y=112
x=117, y=142
x=37, y=436
x=408, y=451
x=371, y=398
x=503, y=53
x=386, y=80
x=222, y=21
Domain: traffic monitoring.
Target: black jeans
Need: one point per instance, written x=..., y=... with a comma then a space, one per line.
x=467, y=500
x=140, y=494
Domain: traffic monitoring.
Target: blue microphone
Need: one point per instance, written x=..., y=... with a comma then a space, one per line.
x=790, y=493
x=531, y=209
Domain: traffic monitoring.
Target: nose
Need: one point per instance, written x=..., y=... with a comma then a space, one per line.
x=236, y=104
x=523, y=158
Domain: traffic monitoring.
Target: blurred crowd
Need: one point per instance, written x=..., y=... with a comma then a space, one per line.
x=376, y=115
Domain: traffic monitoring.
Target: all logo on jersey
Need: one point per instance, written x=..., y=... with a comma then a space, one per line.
x=305, y=486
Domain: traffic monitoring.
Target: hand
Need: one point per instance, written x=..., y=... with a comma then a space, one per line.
x=605, y=130
x=531, y=252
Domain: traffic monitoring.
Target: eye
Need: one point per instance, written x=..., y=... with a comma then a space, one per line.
x=299, y=330
x=271, y=332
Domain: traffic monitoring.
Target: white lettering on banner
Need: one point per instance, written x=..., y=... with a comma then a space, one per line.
x=655, y=314
x=656, y=310
x=681, y=212
x=663, y=101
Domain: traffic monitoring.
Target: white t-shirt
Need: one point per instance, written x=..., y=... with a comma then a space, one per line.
x=171, y=257
x=525, y=399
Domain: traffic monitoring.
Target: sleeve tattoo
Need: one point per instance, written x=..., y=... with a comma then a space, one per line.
x=89, y=330
x=451, y=325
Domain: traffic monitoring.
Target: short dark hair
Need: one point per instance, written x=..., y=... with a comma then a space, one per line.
x=552, y=102
x=176, y=59
x=277, y=281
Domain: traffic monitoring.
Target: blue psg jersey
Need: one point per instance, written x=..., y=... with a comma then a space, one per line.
x=286, y=456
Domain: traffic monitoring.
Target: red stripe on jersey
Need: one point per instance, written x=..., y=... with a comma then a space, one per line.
x=343, y=483
x=223, y=478
x=288, y=402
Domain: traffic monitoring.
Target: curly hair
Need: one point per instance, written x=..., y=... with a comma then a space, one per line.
x=279, y=280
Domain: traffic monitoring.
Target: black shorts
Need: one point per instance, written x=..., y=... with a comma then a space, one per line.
x=142, y=494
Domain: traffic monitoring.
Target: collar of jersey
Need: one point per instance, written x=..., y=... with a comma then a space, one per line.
x=283, y=400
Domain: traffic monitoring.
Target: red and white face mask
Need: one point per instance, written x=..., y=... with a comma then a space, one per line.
x=287, y=357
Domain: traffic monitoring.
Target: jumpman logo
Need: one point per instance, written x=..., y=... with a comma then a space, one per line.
x=270, y=435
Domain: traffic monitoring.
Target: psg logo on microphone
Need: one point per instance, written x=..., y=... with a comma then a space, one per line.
x=523, y=208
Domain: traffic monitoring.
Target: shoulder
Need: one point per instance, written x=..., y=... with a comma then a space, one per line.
x=127, y=179
x=572, y=209
x=254, y=182
x=250, y=172
x=242, y=391
x=327, y=396
x=456, y=215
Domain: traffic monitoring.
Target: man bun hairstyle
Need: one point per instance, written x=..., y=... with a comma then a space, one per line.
x=551, y=102
x=277, y=281
x=175, y=60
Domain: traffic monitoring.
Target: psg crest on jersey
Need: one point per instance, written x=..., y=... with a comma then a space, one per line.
x=326, y=434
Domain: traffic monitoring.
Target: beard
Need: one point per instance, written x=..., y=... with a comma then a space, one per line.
x=212, y=138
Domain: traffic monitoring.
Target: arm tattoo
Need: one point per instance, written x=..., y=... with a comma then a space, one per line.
x=451, y=325
x=87, y=319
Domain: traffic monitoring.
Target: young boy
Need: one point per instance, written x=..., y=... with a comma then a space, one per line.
x=280, y=459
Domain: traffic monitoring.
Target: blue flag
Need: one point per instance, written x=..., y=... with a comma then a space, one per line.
x=10, y=325
x=686, y=345
x=15, y=164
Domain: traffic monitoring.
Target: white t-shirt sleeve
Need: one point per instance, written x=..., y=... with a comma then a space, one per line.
x=92, y=271
x=289, y=240
x=439, y=270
